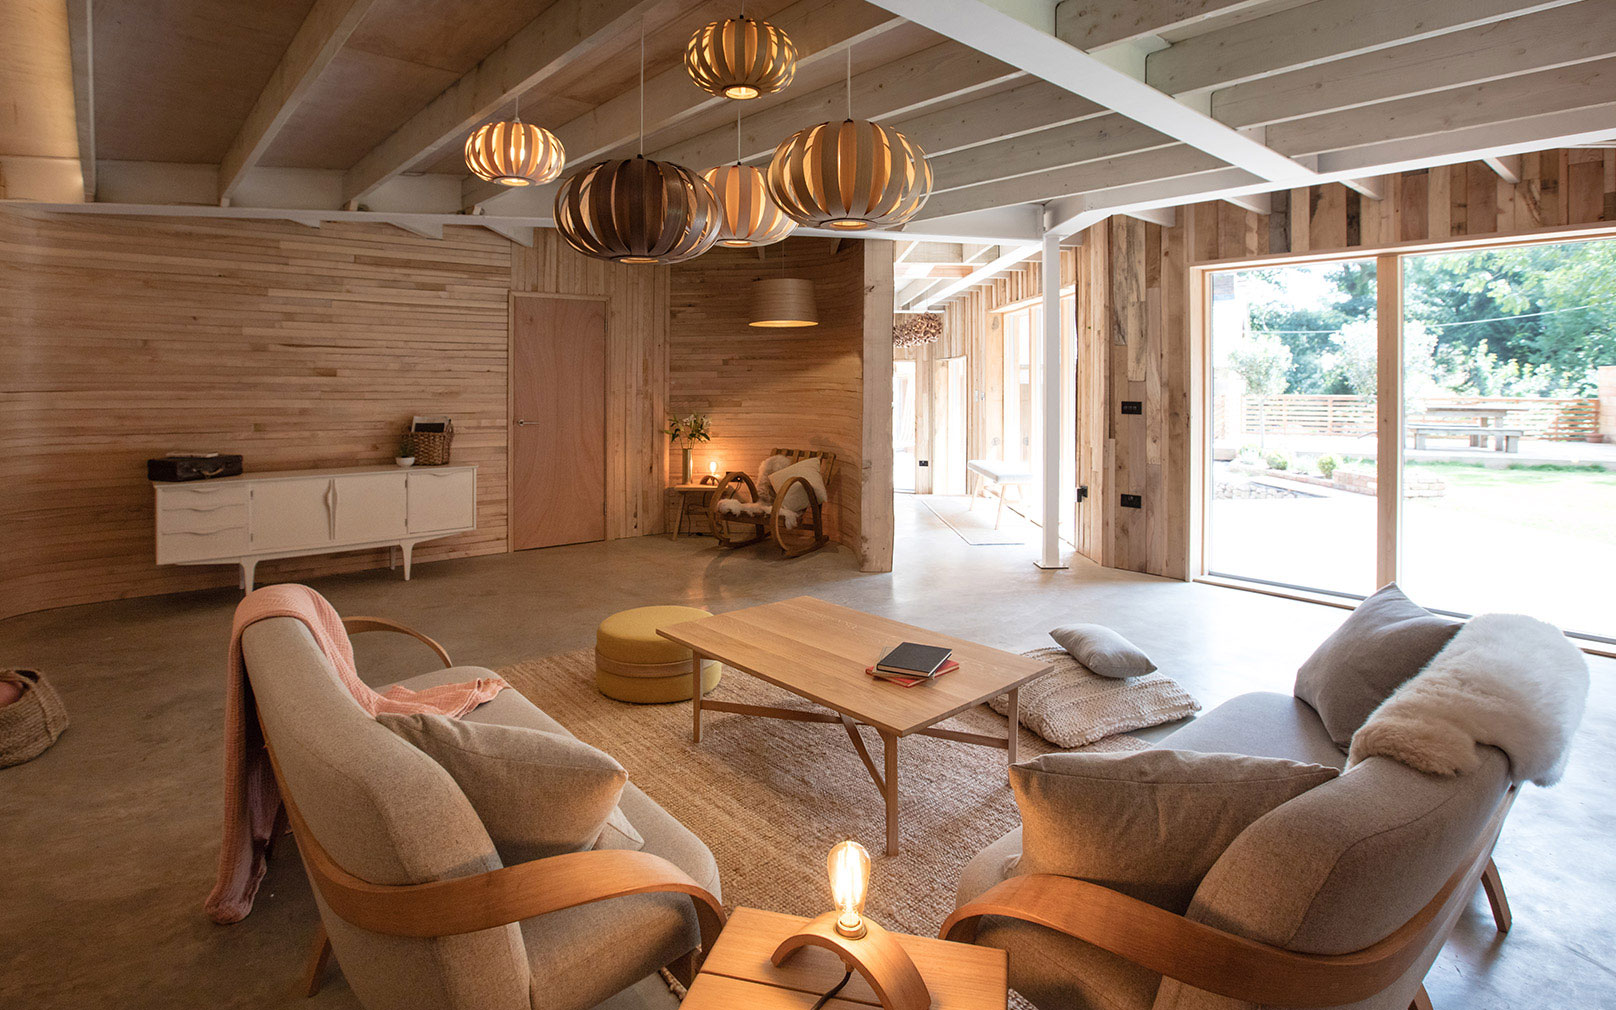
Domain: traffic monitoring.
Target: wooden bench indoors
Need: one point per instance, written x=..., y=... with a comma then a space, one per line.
x=1504, y=439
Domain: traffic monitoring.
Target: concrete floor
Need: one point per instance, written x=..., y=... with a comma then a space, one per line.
x=108, y=841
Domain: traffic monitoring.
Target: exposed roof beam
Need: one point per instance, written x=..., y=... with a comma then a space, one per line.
x=821, y=31
x=1580, y=86
x=1566, y=128
x=1007, y=258
x=1031, y=47
x=1576, y=34
x=316, y=44
x=1026, y=108
x=1166, y=217
x=81, y=46
x=1315, y=33
x=1161, y=163
x=568, y=31
x=1373, y=188
x=1507, y=167
x=1077, y=143
x=1088, y=24
x=1257, y=203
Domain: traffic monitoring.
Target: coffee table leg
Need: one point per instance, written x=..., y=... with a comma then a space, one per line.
x=695, y=697
x=890, y=742
x=1013, y=713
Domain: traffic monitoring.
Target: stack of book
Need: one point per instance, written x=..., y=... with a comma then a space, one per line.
x=912, y=663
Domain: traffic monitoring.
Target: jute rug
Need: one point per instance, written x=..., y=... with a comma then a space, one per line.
x=771, y=797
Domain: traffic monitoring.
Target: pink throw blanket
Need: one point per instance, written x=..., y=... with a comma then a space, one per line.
x=251, y=802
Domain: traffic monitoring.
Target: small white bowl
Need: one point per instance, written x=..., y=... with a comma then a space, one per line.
x=404, y=460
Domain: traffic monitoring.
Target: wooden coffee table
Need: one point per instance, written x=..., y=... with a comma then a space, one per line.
x=739, y=973
x=819, y=651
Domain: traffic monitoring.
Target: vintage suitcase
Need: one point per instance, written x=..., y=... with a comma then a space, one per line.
x=192, y=467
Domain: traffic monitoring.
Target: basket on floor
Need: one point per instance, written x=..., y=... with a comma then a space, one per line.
x=32, y=722
x=430, y=448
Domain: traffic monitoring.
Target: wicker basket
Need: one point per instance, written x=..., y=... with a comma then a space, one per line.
x=32, y=722
x=430, y=448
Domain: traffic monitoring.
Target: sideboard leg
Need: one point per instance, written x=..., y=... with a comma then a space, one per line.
x=247, y=570
x=407, y=548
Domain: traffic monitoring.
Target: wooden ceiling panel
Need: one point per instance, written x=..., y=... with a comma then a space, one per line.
x=448, y=37
x=36, y=80
x=359, y=100
x=175, y=80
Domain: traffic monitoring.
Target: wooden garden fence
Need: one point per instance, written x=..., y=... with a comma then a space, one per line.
x=1559, y=420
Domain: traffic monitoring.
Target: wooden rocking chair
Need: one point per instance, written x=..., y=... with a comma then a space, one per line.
x=768, y=514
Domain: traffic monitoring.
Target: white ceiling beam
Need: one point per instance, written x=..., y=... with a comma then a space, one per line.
x=1088, y=24
x=1257, y=203
x=322, y=35
x=1507, y=167
x=1005, y=260
x=1374, y=188
x=1027, y=108
x=1165, y=217
x=1580, y=86
x=567, y=32
x=81, y=46
x=821, y=30
x=1316, y=33
x=1032, y=48
x=519, y=234
x=1579, y=33
x=1074, y=144
x=1567, y=128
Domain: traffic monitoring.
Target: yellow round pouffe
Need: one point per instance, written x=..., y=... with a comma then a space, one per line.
x=633, y=663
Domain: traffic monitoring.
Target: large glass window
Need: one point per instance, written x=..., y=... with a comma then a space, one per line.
x=903, y=425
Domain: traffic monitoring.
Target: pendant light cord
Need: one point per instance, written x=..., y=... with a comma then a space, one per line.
x=737, y=134
x=849, y=82
x=642, y=87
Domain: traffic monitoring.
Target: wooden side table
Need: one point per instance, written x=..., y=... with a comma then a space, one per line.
x=685, y=491
x=738, y=972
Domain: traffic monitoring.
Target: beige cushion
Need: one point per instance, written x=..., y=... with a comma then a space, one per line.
x=1103, y=650
x=1148, y=824
x=797, y=499
x=1385, y=641
x=1071, y=706
x=538, y=794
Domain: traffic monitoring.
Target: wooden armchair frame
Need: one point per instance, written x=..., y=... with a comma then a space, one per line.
x=790, y=541
x=485, y=900
x=1226, y=964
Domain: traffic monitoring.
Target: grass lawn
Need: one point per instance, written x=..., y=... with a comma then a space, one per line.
x=1575, y=502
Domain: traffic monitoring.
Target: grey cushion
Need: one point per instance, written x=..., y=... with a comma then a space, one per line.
x=1102, y=650
x=537, y=793
x=1148, y=824
x=1262, y=724
x=1072, y=706
x=1050, y=968
x=1385, y=641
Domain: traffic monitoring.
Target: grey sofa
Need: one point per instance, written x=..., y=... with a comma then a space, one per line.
x=378, y=822
x=1377, y=863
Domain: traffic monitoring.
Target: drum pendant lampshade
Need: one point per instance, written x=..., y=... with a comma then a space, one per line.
x=783, y=302
x=851, y=175
x=740, y=58
x=750, y=216
x=514, y=153
x=636, y=210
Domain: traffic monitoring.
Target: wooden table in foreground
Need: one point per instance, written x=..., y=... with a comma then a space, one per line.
x=819, y=651
x=738, y=972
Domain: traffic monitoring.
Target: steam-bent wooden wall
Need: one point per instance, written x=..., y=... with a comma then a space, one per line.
x=124, y=338
x=768, y=388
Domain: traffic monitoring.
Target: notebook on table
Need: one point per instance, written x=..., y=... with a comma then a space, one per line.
x=911, y=659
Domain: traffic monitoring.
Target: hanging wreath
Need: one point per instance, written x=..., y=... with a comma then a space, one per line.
x=914, y=330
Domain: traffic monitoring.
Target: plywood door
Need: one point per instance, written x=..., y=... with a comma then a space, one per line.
x=558, y=421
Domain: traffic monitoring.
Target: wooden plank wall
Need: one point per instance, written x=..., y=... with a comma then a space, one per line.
x=636, y=368
x=1557, y=188
x=128, y=337
x=773, y=388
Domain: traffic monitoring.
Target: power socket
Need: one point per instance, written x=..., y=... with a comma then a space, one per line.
x=1133, y=501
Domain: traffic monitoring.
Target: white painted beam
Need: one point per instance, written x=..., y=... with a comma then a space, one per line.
x=1027, y=108
x=1078, y=143
x=322, y=35
x=1257, y=203
x=1050, y=464
x=1507, y=167
x=1315, y=33
x=1161, y=163
x=81, y=46
x=565, y=34
x=1374, y=188
x=989, y=30
x=1007, y=258
x=1088, y=24
x=1166, y=217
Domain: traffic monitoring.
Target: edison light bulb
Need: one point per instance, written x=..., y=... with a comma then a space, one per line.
x=849, y=868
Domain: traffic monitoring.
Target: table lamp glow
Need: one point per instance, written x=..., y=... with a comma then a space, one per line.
x=849, y=866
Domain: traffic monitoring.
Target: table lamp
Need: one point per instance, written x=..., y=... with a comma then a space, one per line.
x=860, y=942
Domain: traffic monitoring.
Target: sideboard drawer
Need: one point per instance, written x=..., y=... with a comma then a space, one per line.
x=201, y=497
x=180, y=545
x=208, y=519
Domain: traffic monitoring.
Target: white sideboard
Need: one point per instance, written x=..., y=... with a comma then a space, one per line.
x=290, y=513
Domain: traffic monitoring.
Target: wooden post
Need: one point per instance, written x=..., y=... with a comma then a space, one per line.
x=1389, y=416
x=1607, y=403
x=875, y=463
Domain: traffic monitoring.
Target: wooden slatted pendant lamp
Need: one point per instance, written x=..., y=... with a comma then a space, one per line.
x=851, y=175
x=638, y=210
x=751, y=217
x=514, y=153
x=783, y=301
x=740, y=58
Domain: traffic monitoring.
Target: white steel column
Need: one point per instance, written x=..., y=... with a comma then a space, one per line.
x=1051, y=557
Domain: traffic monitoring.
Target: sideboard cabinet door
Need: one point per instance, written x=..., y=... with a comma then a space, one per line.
x=442, y=500
x=291, y=514
x=369, y=507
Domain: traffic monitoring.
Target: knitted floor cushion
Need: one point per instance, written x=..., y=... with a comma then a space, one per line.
x=1071, y=706
x=635, y=664
x=32, y=718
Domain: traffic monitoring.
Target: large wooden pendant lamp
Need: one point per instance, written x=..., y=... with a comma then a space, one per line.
x=514, y=153
x=751, y=217
x=740, y=58
x=638, y=210
x=851, y=175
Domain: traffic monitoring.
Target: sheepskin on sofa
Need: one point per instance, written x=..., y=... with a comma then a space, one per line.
x=1506, y=680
